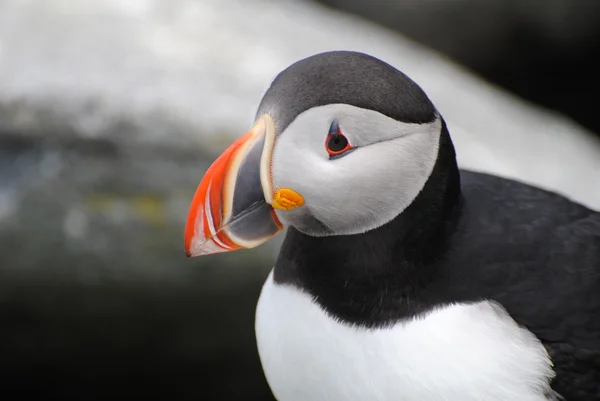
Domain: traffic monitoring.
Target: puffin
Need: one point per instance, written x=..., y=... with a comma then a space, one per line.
x=401, y=277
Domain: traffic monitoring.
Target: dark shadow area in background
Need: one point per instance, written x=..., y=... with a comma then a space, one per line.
x=97, y=300
x=546, y=51
x=127, y=341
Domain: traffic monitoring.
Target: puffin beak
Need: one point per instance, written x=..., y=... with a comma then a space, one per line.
x=232, y=205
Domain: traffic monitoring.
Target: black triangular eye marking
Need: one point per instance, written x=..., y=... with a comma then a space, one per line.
x=334, y=129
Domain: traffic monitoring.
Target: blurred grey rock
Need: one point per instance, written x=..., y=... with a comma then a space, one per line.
x=188, y=75
x=544, y=50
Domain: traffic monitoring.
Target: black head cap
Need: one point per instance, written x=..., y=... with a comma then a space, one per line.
x=345, y=77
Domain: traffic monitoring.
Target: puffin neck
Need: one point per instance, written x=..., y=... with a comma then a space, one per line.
x=375, y=278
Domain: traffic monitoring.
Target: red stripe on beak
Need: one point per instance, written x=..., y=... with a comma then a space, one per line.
x=206, y=210
x=229, y=210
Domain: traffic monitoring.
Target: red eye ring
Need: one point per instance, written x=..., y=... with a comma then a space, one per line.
x=336, y=144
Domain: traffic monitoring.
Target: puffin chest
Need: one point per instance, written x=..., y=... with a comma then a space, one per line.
x=460, y=352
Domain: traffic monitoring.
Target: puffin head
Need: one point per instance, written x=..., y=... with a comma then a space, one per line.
x=342, y=144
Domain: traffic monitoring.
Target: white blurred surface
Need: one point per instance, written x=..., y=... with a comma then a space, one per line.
x=179, y=71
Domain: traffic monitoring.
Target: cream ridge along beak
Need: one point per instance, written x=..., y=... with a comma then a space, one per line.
x=233, y=207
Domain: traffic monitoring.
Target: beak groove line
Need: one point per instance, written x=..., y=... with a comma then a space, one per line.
x=266, y=159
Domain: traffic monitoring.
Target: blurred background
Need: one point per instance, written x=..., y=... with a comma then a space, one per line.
x=111, y=111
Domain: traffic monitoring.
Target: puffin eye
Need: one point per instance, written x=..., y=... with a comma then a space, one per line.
x=336, y=143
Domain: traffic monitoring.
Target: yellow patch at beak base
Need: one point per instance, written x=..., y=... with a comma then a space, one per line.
x=287, y=199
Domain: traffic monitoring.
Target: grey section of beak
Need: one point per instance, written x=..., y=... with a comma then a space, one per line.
x=248, y=189
x=252, y=218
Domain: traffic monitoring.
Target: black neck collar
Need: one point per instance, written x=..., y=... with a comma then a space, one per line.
x=375, y=278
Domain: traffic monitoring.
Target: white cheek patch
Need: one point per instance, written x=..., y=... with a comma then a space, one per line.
x=364, y=189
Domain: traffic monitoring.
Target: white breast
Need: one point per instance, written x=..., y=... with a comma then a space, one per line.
x=473, y=352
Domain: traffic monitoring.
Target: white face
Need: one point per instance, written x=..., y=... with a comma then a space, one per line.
x=363, y=189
